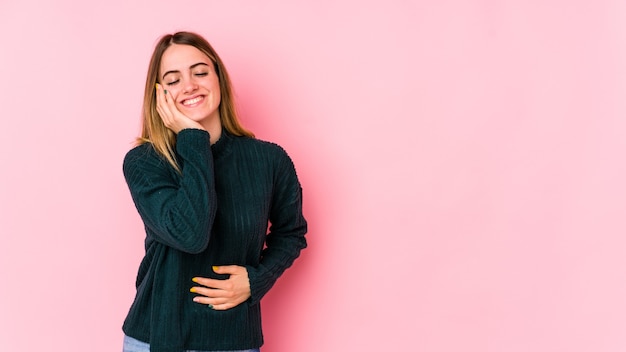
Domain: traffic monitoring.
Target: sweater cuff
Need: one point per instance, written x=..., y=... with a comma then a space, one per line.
x=259, y=285
x=192, y=138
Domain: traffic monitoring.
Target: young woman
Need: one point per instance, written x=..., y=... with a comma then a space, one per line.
x=206, y=190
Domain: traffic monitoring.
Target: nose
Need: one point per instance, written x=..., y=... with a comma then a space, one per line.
x=189, y=86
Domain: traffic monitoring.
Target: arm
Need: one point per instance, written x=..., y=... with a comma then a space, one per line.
x=176, y=212
x=284, y=243
x=288, y=226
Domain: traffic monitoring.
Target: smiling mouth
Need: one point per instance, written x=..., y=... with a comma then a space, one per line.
x=193, y=101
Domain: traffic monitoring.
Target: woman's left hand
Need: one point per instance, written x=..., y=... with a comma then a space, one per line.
x=223, y=294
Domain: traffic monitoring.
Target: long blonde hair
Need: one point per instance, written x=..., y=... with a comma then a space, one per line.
x=153, y=130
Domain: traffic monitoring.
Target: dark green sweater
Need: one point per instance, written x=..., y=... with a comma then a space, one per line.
x=215, y=212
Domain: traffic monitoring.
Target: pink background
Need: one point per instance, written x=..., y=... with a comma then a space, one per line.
x=463, y=165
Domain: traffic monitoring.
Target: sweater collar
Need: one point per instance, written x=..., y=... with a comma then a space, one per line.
x=223, y=145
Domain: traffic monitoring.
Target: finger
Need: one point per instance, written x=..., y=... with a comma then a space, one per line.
x=170, y=108
x=212, y=292
x=166, y=108
x=212, y=302
x=228, y=304
x=225, y=306
x=216, y=303
x=170, y=101
x=219, y=285
x=212, y=283
x=160, y=96
x=228, y=269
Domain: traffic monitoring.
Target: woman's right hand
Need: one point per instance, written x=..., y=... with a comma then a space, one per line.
x=171, y=116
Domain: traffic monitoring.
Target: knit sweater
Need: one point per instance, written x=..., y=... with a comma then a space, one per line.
x=214, y=212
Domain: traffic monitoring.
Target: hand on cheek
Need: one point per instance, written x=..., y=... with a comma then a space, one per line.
x=169, y=113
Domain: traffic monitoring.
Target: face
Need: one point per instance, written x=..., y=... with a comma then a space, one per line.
x=190, y=79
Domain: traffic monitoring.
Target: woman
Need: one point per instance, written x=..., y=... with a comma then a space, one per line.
x=206, y=190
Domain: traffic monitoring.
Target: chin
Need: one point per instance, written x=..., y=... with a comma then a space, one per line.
x=197, y=116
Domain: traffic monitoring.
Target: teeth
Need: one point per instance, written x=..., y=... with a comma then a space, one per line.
x=192, y=101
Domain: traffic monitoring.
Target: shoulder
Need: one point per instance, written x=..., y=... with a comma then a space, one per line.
x=143, y=158
x=140, y=153
x=270, y=149
x=269, y=154
x=261, y=152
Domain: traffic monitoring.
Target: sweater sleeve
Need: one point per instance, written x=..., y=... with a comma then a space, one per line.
x=176, y=211
x=285, y=239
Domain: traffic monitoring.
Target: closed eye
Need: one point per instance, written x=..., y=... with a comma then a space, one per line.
x=172, y=82
x=202, y=74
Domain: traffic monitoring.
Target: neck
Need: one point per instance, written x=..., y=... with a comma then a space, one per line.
x=214, y=127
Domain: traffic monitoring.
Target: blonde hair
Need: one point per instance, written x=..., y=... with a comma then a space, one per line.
x=153, y=130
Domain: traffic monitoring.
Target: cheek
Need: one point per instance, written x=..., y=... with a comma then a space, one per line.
x=217, y=98
x=173, y=93
x=217, y=93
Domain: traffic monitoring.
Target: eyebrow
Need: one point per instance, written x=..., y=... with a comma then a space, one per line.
x=190, y=67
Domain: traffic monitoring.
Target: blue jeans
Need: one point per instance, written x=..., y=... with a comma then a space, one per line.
x=134, y=345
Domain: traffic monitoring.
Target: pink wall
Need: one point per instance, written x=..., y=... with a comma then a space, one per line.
x=463, y=166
